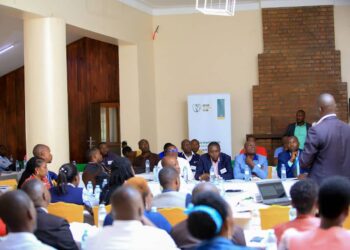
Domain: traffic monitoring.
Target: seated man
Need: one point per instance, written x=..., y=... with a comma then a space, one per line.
x=51, y=230
x=94, y=170
x=43, y=152
x=281, y=149
x=170, y=197
x=189, y=155
x=259, y=150
x=5, y=163
x=128, y=153
x=333, y=205
x=290, y=159
x=180, y=233
x=18, y=213
x=221, y=163
x=304, y=200
x=127, y=231
x=107, y=156
x=156, y=218
x=257, y=164
x=162, y=154
x=171, y=151
x=196, y=147
x=140, y=161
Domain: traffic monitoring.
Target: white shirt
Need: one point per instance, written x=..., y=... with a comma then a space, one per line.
x=130, y=235
x=21, y=241
x=182, y=164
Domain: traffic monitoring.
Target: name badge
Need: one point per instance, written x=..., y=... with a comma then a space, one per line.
x=109, y=162
x=223, y=171
x=193, y=168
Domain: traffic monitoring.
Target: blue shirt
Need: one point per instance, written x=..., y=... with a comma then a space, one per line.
x=156, y=218
x=291, y=168
x=278, y=151
x=219, y=243
x=260, y=166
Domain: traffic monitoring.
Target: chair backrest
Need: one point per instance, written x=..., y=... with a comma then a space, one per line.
x=269, y=172
x=173, y=215
x=69, y=211
x=274, y=215
x=11, y=183
x=95, y=211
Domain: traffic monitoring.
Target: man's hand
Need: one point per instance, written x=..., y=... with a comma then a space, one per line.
x=204, y=177
x=249, y=161
x=294, y=156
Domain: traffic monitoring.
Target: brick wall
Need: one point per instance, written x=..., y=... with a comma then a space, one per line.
x=299, y=62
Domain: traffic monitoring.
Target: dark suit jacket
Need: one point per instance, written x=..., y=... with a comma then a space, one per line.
x=283, y=158
x=327, y=150
x=204, y=166
x=291, y=128
x=184, y=239
x=54, y=231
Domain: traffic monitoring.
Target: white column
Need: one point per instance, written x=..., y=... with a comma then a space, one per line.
x=46, y=102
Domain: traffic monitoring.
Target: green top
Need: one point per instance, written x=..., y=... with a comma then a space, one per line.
x=300, y=132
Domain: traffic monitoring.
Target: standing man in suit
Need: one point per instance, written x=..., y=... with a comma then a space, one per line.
x=299, y=128
x=51, y=230
x=219, y=161
x=327, y=145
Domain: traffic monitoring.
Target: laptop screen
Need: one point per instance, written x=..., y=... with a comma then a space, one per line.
x=271, y=190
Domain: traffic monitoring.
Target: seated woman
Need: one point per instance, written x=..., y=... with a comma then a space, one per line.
x=67, y=189
x=210, y=220
x=156, y=218
x=36, y=168
x=121, y=170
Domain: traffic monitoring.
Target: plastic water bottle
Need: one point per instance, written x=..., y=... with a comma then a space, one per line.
x=292, y=213
x=222, y=186
x=24, y=163
x=271, y=241
x=154, y=209
x=101, y=214
x=18, y=167
x=148, y=167
x=212, y=174
x=74, y=163
x=104, y=183
x=185, y=173
x=83, y=240
x=155, y=173
x=246, y=173
x=283, y=173
x=90, y=188
x=97, y=194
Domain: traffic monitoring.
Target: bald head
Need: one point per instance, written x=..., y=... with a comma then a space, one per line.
x=127, y=204
x=37, y=192
x=326, y=104
x=17, y=211
x=43, y=152
x=202, y=188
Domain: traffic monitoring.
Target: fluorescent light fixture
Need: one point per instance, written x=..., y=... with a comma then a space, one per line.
x=216, y=7
x=6, y=49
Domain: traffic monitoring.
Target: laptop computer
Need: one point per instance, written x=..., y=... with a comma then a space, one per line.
x=273, y=193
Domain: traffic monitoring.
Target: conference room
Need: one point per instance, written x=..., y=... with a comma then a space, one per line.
x=245, y=99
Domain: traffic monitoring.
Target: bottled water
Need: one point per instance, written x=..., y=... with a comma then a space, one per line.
x=83, y=240
x=18, y=167
x=155, y=173
x=90, y=188
x=292, y=213
x=246, y=173
x=97, y=194
x=104, y=183
x=271, y=241
x=222, y=186
x=283, y=173
x=74, y=163
x=185, y=174
x=148, y=167
x=101, y=214
x=212, y=174
x=154, y=209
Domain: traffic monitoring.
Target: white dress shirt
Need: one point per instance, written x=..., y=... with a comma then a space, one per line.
x=183, y=163
x=21, y=241
x=130, y=235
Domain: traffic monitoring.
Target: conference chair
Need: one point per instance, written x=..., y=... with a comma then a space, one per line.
x=173, y=215
x=346, y=223
x=95, y=211
x=273, y=215
x=269, y=172
x=11, y=183
x=69, y=211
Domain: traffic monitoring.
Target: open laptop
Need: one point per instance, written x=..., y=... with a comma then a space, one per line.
x=273, y=193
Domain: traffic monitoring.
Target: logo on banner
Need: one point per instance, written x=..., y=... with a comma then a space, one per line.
x=196, y=107
x=201, y=107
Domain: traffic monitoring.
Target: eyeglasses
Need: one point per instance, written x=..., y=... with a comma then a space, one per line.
x=172, y=150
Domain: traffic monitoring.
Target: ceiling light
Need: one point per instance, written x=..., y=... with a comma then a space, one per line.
x=216, y=7
x=3, y=50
